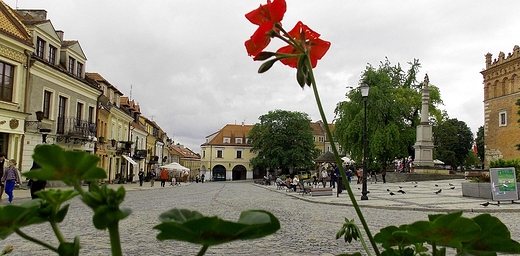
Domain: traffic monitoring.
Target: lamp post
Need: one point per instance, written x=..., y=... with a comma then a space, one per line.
x=364, y=93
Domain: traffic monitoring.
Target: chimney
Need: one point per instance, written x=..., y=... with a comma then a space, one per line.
x=60, y=34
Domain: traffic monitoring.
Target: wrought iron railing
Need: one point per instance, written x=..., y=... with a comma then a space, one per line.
x=75, y=127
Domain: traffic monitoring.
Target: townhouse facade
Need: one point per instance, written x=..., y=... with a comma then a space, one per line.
x=46, y=96
x=186, y=158
x=501, y=92
x=15, y=57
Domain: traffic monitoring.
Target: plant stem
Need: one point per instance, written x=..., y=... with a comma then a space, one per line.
x=338, y=161
x=115, y=241
x=36, y=241
x=57, y=231
x=203, y=250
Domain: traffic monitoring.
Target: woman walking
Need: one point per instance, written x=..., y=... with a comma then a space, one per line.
x=10, y=178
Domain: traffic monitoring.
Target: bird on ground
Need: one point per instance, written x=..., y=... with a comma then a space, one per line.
x=392, y=193
x=415, y=182
x=359, y=188
x=388, y=189
x=451, y=184
x=401, y=191
x=400, y=187
x=438, y=191
x=485, y=204
x=415, y=186
x=436, y=185
x=452, y=188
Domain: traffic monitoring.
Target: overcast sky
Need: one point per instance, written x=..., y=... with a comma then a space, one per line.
x=185, y=63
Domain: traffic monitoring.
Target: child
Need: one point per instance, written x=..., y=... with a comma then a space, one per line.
x=10, y=178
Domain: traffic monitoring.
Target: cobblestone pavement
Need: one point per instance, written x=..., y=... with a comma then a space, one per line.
x=307, y=227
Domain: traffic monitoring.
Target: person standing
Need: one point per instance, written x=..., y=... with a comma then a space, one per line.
x=164, y=177
x=374, y=176
x=333, y=177
x=202, y=178
x=153, y=174
x=324, y=175
x=10, y=178
x=2, y=164
x=36, y=184
x=383, y=174
x=141, y=177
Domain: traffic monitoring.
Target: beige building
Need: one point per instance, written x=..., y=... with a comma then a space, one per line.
x=501, y=91
x=186, y=158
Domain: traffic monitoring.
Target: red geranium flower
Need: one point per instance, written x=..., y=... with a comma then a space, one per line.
x=266, y=16
x=310, y=42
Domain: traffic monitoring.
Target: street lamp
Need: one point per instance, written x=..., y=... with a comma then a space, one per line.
x=364, y=93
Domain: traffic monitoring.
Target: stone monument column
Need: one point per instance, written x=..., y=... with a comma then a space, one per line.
x=424, y=143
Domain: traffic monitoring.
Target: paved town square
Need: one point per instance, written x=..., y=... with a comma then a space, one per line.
x=308, y=224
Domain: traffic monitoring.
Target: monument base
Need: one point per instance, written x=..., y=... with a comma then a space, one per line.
x=426, y=170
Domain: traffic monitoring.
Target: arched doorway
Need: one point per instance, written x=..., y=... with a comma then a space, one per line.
x=219, y=173
x=239, y=172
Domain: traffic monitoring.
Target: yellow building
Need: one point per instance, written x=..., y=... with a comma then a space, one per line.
x=226, y=154
x=501, y=91
x=187, y=158
x=15, y=49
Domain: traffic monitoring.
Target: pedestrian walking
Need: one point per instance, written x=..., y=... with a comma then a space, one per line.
x=2, y=163
x=36, y=185
x=373, y=175
x=10, y=179
x=141, y=177
x=202, y=178
x=164, y=177
x=358, y=174
x=383, y=174
x=324, y=175
x=152, y=177
x=197, y=179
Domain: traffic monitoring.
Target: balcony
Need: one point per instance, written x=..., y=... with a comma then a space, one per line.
x=75, y=127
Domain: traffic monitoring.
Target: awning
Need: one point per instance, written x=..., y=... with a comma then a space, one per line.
x=130, y=160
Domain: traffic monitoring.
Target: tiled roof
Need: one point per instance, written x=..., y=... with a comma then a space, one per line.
x=12, y=26
x=185, y=152
x=67, y=43
x=231, y=131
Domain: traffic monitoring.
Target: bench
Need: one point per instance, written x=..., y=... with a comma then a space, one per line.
x=321, y=191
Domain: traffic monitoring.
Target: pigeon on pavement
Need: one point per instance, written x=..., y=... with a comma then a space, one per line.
x=401, y=191
x=392, y=193
x=438, y=191
x=485, y=204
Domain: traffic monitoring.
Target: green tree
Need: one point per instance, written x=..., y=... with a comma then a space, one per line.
x=393, y=112
x=283, y=140
x=480, y=143
x=453, y=140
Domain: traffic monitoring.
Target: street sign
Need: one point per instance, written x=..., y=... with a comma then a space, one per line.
x=503, y=184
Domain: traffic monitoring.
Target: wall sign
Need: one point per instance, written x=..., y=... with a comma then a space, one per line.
x=503, y=184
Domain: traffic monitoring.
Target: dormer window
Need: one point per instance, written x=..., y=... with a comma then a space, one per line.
x=238, y=140
x=71, y=65
x=227, y=140
x=79, y=69
x=52, y=54
x=40, y=47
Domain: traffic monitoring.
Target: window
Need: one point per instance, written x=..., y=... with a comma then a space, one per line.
x=52, y=54
x=47, y=104
x=79, y=113
x=239, y=153
x=71, y=65
x=321, y=139
x=502, y=118
x=219, y=153
x=91, y=114
x=238, y=140
x=6, y=81
x=80, y=69
x=227, y=140
x=40, y=47
x=62, y=106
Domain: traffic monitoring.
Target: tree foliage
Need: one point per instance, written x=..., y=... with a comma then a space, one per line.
x=283, y=140
x=480, y=143
x=453, y=140
x=393, y=112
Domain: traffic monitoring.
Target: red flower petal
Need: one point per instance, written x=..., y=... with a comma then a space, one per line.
x=291, y=62
x=315, y=46
x=259, y=40
x=270, y=12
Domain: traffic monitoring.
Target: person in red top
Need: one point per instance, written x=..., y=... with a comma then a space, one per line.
x=164, y=177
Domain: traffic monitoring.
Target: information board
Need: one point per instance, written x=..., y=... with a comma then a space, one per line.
x=503, y=184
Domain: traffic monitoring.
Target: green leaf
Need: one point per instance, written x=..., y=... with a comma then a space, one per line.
x=394, y=236
x=193, y=227
x=105, y=202
x=70, y=167
x=69, y=249
x=13, y=217
x=494, y=237
x=445, y=230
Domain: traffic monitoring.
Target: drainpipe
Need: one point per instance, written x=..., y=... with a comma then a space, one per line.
x=27, y=75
